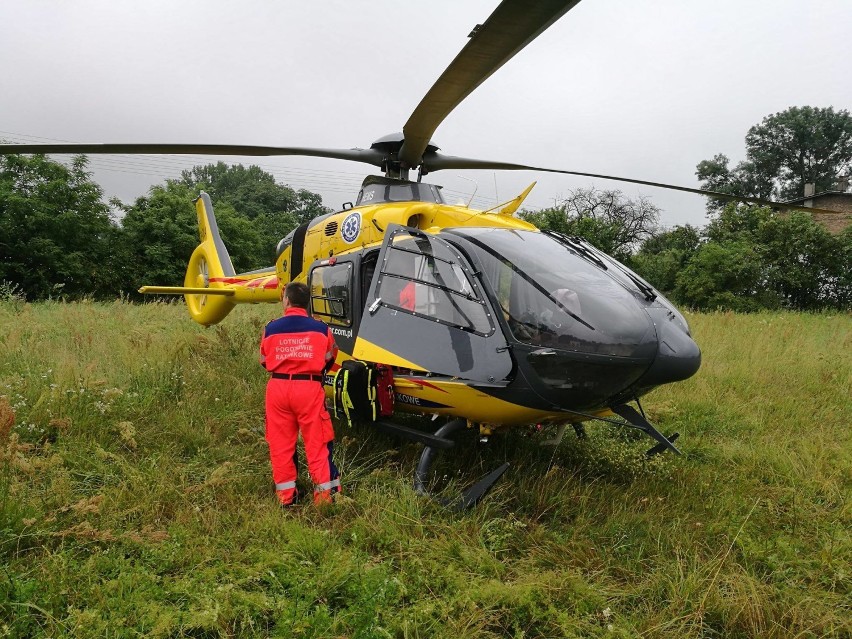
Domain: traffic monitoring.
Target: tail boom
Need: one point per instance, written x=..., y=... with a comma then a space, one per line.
x=211, y=288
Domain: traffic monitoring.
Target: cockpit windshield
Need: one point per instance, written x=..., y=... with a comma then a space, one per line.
x=552, y=296
x=628, y=277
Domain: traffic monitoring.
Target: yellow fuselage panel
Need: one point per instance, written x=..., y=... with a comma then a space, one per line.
x=419, y=394
x=256, y=291
x=324, y=238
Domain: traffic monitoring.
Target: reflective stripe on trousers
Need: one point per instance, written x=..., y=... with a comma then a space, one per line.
x=334, y=483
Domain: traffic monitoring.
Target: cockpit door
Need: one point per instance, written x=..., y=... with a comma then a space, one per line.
x=426, y=310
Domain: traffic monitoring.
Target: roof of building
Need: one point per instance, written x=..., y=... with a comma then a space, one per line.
x=802, y=200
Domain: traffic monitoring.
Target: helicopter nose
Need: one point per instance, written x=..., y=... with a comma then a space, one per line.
x=678, y=356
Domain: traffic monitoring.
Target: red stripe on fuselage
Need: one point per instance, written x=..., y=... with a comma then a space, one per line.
x=422, y=383
x=257, y=282
x=226, y=280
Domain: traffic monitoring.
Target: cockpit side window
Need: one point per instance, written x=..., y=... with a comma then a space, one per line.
x=370, y=194
x=331, y=293
x=424, y=276
x=398, y=191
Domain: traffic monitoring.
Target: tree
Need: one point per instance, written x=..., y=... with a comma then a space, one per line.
x=799, y=259
x=735, y=222
x=802, y=262
x=161, y=232
x=840, y=291
x=663, y=255
x=251, y=191
x=802, y=145
x=610, y=221
x=55, y=232
x=783, y=153
x=743, y=179
x=749, y=258
x=724, y=276
x=274, y=209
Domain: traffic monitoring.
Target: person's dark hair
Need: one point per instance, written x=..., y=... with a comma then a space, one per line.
x=298, y=294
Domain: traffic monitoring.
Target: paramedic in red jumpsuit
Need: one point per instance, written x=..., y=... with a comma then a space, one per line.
x=297, y=350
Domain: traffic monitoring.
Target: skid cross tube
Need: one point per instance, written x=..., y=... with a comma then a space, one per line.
x=414, y=435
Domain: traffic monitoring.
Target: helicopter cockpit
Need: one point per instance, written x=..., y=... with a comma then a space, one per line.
x=379, y=190
x=491, y=304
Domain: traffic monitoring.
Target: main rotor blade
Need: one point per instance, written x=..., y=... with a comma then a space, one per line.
x=436, y=162
x=369, y=156
x=511, y=27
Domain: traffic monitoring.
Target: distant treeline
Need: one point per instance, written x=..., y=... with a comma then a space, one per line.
x=59, y=239
x=745, y=259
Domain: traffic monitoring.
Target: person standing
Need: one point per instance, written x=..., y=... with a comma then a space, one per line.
x=298, y=350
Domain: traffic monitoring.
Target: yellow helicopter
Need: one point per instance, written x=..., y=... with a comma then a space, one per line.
x=484, y=319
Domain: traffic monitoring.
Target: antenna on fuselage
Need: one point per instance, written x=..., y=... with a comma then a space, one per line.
x=475, y=189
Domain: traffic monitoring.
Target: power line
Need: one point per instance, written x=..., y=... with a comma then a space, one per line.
x=171, y=166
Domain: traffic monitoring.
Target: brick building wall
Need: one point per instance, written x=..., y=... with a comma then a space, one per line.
x=832, y=201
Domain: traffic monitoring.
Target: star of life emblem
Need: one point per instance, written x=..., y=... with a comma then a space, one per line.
x=351, y=227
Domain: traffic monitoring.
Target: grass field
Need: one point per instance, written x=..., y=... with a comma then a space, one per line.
x=135, y=498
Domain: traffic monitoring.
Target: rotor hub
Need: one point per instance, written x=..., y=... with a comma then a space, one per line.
x=389, y=145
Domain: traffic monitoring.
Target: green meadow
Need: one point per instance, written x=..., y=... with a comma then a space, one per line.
x=136, y=498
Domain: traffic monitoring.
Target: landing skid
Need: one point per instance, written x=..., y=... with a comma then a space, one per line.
x=434, y=442
x=638, y=421
x=470, y=496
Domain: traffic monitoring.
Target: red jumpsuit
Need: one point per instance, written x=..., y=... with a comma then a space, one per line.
x=297, y=349
x=407, y=296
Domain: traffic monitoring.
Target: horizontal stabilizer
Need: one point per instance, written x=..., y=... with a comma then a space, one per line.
x=185, y=290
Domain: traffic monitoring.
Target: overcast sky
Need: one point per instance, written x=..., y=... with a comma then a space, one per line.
x=639, y=88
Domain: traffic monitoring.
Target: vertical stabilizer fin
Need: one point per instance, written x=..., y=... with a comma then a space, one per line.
x=209, y=265
x=208, y=229
x=515, y=204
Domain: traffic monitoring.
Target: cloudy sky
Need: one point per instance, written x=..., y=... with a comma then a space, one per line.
x=639, y=88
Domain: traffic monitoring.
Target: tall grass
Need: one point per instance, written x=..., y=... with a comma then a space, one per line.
x=135, y=498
